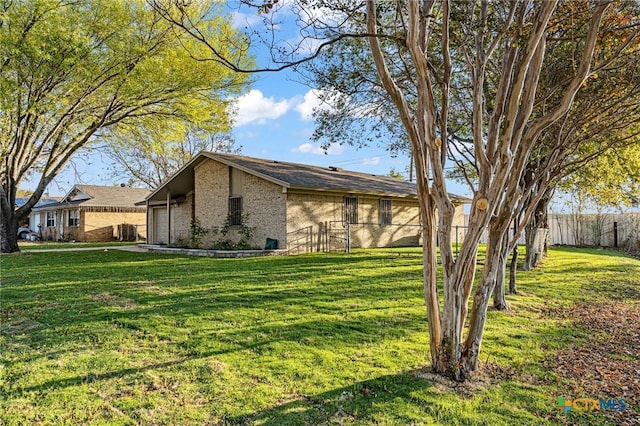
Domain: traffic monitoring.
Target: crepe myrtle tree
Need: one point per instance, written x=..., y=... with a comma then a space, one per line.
x=602, y=124
x=118, y=67
x=602, y=116
x=492, y=54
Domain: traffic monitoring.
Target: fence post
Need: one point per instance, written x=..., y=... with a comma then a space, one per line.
x=347, y=247
x=615, y=234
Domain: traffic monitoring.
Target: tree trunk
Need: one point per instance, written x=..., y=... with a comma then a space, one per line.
x=538, y=221
x=482, y=296
x=8, y=232
x=499, y=299
x=512, y=271
x=530, y=256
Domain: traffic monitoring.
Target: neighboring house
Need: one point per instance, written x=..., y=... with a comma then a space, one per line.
x=93, y=213
x=32, y=221
x=306, y=208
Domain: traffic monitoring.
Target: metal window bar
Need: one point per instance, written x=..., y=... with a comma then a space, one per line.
x=385, y=212
x=350, y=209
x=235, y=211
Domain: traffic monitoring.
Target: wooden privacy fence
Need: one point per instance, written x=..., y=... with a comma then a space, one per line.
x=602, y=230
x=599, y=230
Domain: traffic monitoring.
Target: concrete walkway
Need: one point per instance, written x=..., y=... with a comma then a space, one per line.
x=104, y=248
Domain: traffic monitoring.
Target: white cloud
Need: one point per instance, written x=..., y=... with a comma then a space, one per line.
x=309, y=148
x=255, y=108
x=310, y=102
x=241, y=20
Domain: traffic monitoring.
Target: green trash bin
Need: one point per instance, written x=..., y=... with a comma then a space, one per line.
x=271, y=244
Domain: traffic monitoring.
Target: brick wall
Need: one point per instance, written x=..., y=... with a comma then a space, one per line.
x=307, y=215
x=314, y=212
x=181, y=220
x=262, y=200
x=211, y=196
x=266, y=205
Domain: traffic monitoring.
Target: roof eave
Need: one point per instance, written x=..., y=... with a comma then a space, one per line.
x=196, y=158
x=456, y=199
x=353, y=191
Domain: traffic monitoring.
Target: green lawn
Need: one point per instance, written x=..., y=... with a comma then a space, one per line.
x=112, y=337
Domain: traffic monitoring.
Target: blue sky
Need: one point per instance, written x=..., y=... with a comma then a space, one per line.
x=274, y=121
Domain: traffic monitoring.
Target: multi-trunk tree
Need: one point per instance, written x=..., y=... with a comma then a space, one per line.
x=494, y=54
x=604, y=113
x=72, y=69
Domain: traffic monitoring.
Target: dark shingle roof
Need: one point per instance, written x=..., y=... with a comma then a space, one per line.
x=302, y=176
x=43, y=201
x=293, y=176
x=112, y=196
x=102, y=196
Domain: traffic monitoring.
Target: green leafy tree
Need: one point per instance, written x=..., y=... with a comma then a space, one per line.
x=496, y=53
x=611, y=180
x=73, y=69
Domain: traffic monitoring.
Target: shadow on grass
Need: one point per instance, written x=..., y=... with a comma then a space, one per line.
x=403, y=399
x=368, y=401
x=250, y=312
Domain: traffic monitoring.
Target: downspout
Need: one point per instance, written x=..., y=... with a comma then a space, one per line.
x=168, y=217
x=150, y=236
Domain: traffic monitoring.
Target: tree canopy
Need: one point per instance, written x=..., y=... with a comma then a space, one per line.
x=146, y=161
x=76, y=70
x=462, y=77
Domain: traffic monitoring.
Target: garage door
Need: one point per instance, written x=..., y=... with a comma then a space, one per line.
x=160, y=227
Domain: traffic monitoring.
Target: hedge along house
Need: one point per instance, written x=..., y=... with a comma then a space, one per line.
x=306, y=208
x=93, y=213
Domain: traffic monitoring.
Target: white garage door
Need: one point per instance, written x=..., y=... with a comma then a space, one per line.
x=160, y=228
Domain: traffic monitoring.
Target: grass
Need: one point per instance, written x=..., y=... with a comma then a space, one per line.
x=135, y=338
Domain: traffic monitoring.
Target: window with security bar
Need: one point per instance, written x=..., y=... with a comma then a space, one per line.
x=385, y=212
x=235, y=211
x=351, y=209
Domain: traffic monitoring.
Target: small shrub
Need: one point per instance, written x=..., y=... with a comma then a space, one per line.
x=222, y=245
x=245, y=232
x=198, y=232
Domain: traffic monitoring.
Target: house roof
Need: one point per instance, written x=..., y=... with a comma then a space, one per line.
x=43, y=201
x=296, y=176
x=100, y=196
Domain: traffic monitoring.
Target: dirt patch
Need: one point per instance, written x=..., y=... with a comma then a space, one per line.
x=486, y=375
x=18, y=326
x=607, y=365
x=113, y=300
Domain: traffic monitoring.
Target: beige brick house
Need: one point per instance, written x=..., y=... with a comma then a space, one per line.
x=306, y=208
x=93, y=213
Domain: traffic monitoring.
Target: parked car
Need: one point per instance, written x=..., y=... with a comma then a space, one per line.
x=23, y=233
